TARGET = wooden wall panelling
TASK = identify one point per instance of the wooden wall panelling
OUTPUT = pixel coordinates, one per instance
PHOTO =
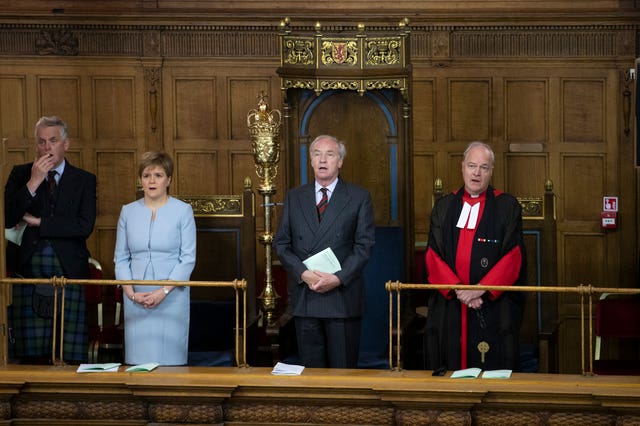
(526, 110)
(116, 137)
(196, 172)
(423, 113)
(61, 95)
(117, 174)
(526, 173)
(361, 123)
(13, 106)
(470, 109)
(424, 175)
(193, 105)
(454, 170)
(243, 92)
(114, 108)
(424, 162)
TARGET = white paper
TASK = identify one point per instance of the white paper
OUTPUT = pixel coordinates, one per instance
(324, 261)
(496, 374)
(98, 368)
(467, 373)
(15, 234)
(282, 369)
(142, 367)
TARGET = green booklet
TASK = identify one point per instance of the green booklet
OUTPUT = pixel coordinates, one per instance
(496, 374)
(98, 368)
(142, 367)
(467, 373)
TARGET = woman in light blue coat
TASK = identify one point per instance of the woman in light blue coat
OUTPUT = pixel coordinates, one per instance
(156, 240)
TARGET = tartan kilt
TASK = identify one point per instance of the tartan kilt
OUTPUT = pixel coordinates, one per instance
(31, 334)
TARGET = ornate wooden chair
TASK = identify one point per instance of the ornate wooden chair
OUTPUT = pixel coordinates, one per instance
(618, 319)
(104, 311)
(226, 241)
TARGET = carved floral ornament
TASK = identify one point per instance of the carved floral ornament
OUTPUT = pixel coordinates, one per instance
(56, 42)
(216, 205)
(357, 59)
(532, 207)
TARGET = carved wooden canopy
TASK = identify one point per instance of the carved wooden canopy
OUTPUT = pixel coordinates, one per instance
(338, 58)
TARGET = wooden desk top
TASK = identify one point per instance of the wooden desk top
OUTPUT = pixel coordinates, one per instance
(253, 394)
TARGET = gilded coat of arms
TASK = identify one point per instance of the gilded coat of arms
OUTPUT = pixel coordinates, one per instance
(339, 52)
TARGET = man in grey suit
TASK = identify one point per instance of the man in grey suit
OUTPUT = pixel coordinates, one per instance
(327, 307)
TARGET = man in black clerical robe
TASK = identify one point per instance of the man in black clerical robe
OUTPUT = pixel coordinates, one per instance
(475, 238)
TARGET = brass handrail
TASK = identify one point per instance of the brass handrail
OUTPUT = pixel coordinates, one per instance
(580, 289)
(62, 282)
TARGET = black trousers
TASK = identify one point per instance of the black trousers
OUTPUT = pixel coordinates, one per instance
(328, 342)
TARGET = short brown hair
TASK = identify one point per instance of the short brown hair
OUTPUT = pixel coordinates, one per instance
(156, 158)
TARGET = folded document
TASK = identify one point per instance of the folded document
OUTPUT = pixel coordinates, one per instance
(15, 234)
(324, 261)
(473, 373)
(467, 373)
(142, 367)
(282, 369)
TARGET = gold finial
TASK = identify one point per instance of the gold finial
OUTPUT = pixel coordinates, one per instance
(437, 186)
(360, 27)
(318, 26)
(284, 24)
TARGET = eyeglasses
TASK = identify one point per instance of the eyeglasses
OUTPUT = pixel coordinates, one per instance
(472, 167)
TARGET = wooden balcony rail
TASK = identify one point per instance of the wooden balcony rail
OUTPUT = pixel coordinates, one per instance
(239, 285)
(581, 289)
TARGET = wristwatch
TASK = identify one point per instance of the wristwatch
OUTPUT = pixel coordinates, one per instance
(166, 290)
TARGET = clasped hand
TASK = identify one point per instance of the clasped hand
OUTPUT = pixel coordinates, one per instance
(320, 282)
(149, 299)
(471, 298)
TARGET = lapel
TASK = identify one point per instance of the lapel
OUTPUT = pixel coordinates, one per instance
(308, 206)
(337, 203)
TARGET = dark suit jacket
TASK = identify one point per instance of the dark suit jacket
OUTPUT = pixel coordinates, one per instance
(67, 228)
(347, 227)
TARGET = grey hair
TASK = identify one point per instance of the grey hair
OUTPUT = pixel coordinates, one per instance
(478, 144)
(342, 149)
(52, 122)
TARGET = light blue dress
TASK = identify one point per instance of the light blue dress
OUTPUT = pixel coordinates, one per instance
(162, 249)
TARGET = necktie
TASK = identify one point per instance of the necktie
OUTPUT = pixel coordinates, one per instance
(322, 205)
(51, 180)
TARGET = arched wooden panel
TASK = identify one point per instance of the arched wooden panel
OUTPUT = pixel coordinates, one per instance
(365, 124)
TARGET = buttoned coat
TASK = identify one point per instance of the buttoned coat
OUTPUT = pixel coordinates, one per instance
(347, 228)
(66, 227)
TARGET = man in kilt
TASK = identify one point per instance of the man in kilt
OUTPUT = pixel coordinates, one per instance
(55, 202)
